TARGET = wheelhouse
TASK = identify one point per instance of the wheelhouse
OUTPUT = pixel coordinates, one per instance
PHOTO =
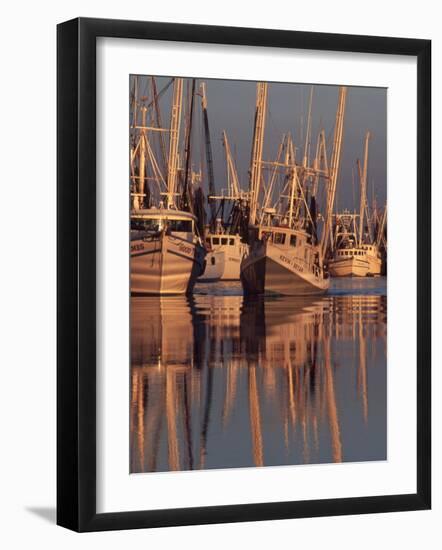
(156, 220)
(284, 237)
(213, 241)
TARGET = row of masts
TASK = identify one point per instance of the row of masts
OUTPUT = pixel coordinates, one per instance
(366, 226)
(299, 194)
(295, 205)
(173, 175)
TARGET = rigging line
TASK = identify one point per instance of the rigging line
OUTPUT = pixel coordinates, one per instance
(160, 93)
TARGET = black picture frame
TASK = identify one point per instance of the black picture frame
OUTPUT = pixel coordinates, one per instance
(76, 273)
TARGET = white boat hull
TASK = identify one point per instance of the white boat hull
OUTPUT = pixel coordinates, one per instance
(222, 265)
(269, 269)
(224, 260)
(232, 263)
(349, 267)
(164, 264)
(374, 265)
(214, 267)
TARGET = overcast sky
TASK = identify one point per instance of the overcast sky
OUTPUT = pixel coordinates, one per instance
(231, 106)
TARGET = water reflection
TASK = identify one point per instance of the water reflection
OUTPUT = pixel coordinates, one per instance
(218, 381)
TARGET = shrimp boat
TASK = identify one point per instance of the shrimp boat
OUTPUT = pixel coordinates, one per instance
(286, 255)
(166, 253)
(349, 263)
(348, 259)
(355, 251)
(166, 250)
(224, 257)
(283, 261)
(223, 240)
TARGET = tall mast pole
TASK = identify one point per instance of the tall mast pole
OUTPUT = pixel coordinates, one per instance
(334, 168)
(232, 176)
(258, 141)
(139, 198)
(188, 151)
(363, 181)
(175, 122)
(209, 157)
(381, 228)
(293, 183)
(308, 132)
(159, 123)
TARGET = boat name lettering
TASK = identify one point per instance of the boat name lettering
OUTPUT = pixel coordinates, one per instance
(293, 263)
(185, 249)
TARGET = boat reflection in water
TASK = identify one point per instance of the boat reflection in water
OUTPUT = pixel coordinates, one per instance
(224, 381)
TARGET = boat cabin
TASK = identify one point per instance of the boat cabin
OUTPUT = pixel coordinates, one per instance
(221, 240)
(349, 252)
(284, 236)
(372, 249)
(155, 220)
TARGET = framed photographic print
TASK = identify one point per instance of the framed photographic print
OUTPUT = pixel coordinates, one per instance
(243, 274)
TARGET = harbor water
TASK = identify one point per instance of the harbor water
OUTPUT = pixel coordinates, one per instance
(223, 381)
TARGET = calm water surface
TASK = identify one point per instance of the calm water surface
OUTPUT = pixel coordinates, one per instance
(220, 381)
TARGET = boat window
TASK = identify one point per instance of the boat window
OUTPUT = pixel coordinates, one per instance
(184, 226)
(145, 225)
(292, 240)
(223, 241)
(215, 240)
(279, 238)
(231, 242)
(212, 260)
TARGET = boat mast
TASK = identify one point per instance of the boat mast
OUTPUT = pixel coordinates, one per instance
(258, 141)
(175, 122)
(209, 157)
(159, 123)
(276, 165)
(139, 198)
(186, 199)
(293, 180)
(334, 169)
(380, 235)
(305, 161)
(232, 176)
(363, 180)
